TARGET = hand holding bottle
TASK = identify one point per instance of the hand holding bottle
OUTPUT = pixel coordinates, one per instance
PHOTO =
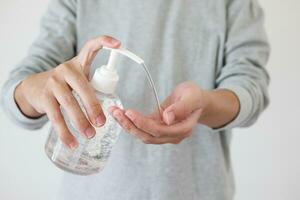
(45, 92)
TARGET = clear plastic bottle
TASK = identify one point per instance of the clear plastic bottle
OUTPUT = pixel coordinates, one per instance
(92, 154)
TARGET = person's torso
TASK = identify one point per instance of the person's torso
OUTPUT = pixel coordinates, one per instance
(179, 40)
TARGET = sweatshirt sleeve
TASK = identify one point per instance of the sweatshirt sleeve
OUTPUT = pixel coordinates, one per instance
(55, 44)
(246, 54)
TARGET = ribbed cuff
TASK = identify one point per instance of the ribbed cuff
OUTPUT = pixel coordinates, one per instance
(246, 106)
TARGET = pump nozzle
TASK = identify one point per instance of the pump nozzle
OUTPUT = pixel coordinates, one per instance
(124, 52)
(113, 59)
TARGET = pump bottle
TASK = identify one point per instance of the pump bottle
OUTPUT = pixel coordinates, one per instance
(91, 155)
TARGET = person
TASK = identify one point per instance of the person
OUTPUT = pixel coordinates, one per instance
(207, 59)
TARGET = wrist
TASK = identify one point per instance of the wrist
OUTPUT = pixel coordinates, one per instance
(222, 106)
(24, 106)
(206, 98)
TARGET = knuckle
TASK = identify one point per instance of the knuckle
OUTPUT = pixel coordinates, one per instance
(53, 80)
(138, 122)
(82, 122)
(102, 38)
(85, 86)
(81, 80)
(44, 96)
(62, 68)
(90, 44)
(68, 100)
(56, 118)
(94, 108)
(58, 68)
(90, 41)
(127, 126)
(121, 120)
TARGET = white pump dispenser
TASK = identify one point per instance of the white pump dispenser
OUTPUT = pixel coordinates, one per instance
(106, 78)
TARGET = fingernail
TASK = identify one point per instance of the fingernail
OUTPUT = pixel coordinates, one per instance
(90, 132)
(170, 117)
(113, 41)
(73, 145)
(117, 114)
(100, 121)
(130, 115)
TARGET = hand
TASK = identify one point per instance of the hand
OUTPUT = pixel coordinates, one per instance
(44, 93)
(181, 113)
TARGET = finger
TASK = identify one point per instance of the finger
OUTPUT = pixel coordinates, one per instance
(180, 109)
(83, 88)
(146, 124)
(186, 126)
(166, 106)
(128, 126)
(66, 99)
(125, 122)
(111, 109)
(54, 114)
(91, 48)
(161, 130)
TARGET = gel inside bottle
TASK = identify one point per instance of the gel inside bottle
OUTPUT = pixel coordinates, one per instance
(91, 155)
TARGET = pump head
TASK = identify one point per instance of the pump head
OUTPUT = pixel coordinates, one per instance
(106, 77)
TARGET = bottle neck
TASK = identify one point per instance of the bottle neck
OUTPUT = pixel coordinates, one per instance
(105, 80)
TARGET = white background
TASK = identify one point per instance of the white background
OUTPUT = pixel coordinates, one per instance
(265, 157)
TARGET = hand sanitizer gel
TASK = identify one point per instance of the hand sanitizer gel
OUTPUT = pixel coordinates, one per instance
(92, 154)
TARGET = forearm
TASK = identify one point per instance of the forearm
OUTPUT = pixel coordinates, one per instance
(222, 108)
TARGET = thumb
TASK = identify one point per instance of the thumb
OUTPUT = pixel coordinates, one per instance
(179, 110)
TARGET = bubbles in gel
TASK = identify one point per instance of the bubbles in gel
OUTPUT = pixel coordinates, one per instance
(92, 154)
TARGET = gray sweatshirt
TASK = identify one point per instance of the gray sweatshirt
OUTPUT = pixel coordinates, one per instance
(215, 43)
